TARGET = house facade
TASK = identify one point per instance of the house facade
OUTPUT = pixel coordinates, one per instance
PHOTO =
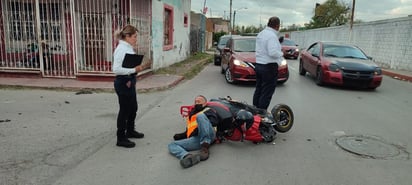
(75, 38)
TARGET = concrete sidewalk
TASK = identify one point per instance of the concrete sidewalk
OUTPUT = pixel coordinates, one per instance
(147, 83)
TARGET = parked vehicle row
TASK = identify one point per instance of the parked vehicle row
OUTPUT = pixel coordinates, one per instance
(330, 63)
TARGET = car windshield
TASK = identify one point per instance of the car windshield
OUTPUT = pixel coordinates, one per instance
(244, 45)
(287, 42)
(343, 52)
(223, 40)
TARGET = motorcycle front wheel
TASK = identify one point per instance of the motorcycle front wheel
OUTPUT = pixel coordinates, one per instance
(283, 117)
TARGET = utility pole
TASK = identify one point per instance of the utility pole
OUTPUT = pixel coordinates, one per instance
(204, 6)
(230, 18)
(351, 21)
(203, 28)
(352, 14)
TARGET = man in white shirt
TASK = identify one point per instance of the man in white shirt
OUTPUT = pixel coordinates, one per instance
(268, 57)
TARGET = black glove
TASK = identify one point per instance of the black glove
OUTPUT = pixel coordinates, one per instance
(179, 136)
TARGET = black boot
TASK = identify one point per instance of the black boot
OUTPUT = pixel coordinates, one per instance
(134, 134)
(124, 142)
(204, 152)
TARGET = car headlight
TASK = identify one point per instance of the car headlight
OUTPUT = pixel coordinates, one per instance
(334, 68)
(240, 63)
(378, 71)
(284, 62)
(297, 50)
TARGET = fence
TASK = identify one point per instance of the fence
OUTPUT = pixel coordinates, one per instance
(65, 38)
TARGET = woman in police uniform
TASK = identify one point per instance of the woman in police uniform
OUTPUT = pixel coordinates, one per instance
(125, 87)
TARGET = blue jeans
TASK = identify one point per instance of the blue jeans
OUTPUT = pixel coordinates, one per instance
(206, 134)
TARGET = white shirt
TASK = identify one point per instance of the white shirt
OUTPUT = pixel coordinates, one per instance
(268, 48)
(118, 57)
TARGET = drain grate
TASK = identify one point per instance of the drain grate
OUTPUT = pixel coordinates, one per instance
(370, 147)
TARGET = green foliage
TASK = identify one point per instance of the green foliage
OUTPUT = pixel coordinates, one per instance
(293, 27)
(248, 29)
(330, 13)
(216, 36)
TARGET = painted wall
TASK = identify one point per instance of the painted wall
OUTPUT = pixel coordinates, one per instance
(181, 43)
(389, 42)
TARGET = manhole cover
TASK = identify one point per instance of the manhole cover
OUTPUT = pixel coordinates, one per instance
(368, 147)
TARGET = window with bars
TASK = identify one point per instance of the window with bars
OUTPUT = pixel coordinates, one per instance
(21, 27)
(168, 27)
(21, 21)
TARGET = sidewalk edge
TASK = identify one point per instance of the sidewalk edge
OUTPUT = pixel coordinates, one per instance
(397, 75)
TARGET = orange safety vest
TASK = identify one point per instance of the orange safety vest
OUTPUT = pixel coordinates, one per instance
(191, 124)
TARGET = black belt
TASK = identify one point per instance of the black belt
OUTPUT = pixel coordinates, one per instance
(133, 75)
(267, 64)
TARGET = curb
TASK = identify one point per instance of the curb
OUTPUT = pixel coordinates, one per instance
(397, 75)
(162, 87)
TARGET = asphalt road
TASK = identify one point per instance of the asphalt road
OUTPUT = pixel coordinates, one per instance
(67, 139)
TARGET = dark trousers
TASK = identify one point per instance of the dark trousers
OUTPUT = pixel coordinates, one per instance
(266, 80)
(127, 103)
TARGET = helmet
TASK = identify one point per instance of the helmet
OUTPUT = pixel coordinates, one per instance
(244, 117)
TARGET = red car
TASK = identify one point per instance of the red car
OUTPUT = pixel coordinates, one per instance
(290, 49)
(238, 61)
(340, 64)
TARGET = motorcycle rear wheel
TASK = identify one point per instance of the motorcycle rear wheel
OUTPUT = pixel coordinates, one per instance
(283, 116)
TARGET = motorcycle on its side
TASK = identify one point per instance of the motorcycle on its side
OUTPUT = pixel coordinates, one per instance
(241, 121)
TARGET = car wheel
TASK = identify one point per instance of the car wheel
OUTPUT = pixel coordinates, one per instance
(217, 61)
(319, 76)
(281, 82)
(302, 70)
(221, 69)
(228, 76)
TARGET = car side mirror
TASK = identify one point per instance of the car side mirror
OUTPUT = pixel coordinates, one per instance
(226, 49)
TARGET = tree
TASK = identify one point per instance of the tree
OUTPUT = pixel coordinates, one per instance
(293, 27)
(330, 13)
(216, 36)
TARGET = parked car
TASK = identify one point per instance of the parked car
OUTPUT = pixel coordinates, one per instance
(238, 61)
(340, 64)
(219, 48)
(290, 49)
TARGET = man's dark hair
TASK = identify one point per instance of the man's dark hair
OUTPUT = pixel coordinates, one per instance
(273, 21)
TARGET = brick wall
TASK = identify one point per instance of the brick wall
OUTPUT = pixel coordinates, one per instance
(389, 42)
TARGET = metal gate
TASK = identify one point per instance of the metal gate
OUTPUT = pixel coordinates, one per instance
(63, 38)
(98, 20)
